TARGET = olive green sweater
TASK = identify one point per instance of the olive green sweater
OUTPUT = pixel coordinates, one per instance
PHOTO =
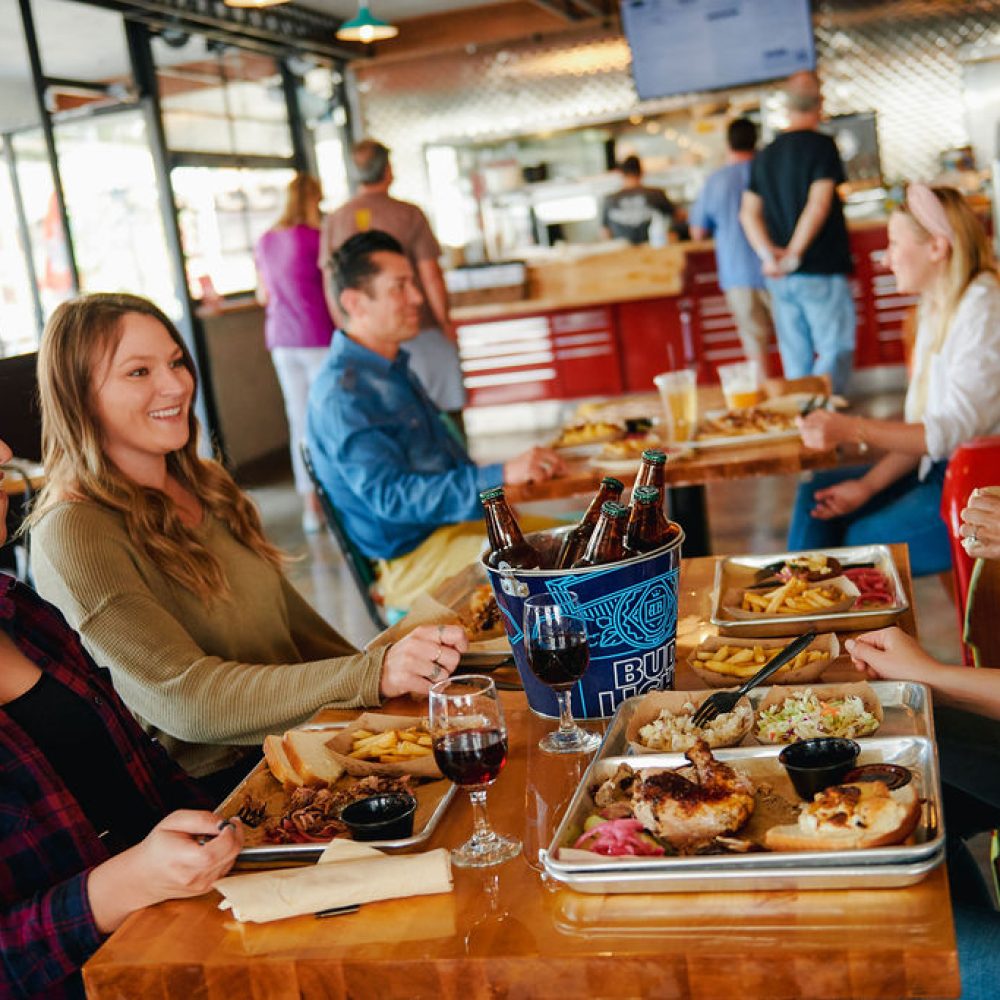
(203, 677)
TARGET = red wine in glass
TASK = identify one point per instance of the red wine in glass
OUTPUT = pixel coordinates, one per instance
(559, 661)
(471, 756)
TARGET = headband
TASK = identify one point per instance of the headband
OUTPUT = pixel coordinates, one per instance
(925, 206)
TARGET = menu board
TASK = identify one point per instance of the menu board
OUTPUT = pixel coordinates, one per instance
(680, 46)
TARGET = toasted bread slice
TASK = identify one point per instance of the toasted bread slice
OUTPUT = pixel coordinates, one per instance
(279, 764)
(850, 817)
(307, 753)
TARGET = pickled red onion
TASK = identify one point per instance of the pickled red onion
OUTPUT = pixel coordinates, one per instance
(617, 838)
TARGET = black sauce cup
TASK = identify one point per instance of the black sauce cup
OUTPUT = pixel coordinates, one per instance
(819, 763)
(381, 817)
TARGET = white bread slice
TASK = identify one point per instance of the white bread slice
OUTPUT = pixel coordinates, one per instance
(279, 764)
(889, 818)
(308, 754)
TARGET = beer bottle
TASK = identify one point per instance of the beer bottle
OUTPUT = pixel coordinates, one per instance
(652, 471)
(507, 543)
(648, 528)
(575, 543)
(607, 543)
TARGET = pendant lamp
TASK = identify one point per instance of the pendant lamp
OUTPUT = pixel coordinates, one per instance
(365, 27)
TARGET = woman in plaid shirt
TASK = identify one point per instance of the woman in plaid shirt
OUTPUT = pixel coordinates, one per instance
(85, 839)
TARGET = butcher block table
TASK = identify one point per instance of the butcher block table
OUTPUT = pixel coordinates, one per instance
(509, 932)
(687, 476)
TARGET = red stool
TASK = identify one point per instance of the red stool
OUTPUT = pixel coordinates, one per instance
(975, 463)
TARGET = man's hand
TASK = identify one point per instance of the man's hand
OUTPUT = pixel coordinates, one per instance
(534, 466)
(822, 429)
(840, 499)
(980, 528)
(425, 656)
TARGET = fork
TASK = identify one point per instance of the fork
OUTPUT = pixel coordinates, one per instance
(725, 701)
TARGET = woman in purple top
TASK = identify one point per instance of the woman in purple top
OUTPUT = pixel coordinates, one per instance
(297, 324)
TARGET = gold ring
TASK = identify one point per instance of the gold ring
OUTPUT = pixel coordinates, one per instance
(974, 536)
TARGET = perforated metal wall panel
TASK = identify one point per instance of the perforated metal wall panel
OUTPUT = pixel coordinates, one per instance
(897, 57)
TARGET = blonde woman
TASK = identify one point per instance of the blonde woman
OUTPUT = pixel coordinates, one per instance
(297, 323)
(937, 248)
(160, 562)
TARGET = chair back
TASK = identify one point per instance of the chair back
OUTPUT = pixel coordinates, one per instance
(20, 415)
(975, 463)
(361, 568)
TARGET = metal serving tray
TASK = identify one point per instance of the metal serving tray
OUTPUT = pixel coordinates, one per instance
(860, 876)
(905, 737)
(277, 854)
(738, 571)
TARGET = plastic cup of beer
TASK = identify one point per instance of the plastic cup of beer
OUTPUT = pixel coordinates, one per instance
(679, 396)
(742, 385)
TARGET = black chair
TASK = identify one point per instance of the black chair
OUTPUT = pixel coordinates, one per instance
(361, 567)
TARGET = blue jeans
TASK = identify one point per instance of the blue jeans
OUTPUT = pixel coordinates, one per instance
(907, 511)
(815, 320)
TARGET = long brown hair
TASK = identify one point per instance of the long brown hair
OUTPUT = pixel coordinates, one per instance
(301, 203)
(80, 334)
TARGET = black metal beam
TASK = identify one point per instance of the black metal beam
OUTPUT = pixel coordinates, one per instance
(23, 231)
(593, 7)
(144, 74)
(38, 79)
(561, 8)
(300, 143)
(282, 29)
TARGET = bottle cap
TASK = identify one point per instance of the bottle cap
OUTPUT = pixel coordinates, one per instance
(491, 494)
(611, 481)
(646, 494)
(612, 509)
(654, 457)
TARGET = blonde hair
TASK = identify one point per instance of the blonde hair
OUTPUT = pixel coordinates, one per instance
(301, 202)
(970, 256)
(79, 336)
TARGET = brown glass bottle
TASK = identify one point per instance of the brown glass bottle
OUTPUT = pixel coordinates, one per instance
(575, 543)
(607, 543)
(652, 471)
(507, 543)
(648, 528)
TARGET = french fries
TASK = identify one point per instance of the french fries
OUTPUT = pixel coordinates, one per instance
(795, 597)
(391, 746)
(745, 661)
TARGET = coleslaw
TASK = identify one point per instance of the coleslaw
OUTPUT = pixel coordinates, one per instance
(805, 716)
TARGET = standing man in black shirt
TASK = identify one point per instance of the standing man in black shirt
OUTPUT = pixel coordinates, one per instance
(794, 220)
(629, 213)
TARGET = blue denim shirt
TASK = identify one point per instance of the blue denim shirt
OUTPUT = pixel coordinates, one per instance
(391, 467)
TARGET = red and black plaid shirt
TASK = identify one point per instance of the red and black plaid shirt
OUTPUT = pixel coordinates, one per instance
(47, 845)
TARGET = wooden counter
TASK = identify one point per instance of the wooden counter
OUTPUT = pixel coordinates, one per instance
(509, 932)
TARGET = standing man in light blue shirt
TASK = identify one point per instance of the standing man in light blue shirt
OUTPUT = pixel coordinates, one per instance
(717, 213)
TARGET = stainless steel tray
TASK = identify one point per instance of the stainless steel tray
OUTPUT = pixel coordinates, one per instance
(738, 571)
(892, 876)
(277, 854)
(906, 737)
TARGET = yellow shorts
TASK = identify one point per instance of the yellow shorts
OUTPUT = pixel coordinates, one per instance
(441, 555)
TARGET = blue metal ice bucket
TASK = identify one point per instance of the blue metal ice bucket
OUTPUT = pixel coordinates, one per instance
(630, 608)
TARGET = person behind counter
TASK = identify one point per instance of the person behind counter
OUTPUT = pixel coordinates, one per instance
(85, 838)
(297, 323)
(406, 489)
(937, 248)
(630, 213)
(161, 563)
(967, 730)
(716, 214)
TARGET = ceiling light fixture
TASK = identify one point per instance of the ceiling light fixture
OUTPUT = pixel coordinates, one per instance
(365, 27)
(253, 3)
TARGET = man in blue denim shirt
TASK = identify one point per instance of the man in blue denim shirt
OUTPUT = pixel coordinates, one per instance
(406, 489)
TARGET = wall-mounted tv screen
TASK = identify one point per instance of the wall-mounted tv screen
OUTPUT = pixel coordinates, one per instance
(680, 46)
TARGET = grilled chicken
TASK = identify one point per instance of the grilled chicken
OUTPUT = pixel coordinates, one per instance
(691, 807)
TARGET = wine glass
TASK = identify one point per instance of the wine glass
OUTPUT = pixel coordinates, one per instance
(470, 747)
(555, 637)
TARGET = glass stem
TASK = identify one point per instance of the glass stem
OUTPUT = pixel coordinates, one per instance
(566, 720)
(482, 832)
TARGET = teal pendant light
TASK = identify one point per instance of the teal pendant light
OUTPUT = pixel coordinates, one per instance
(365, 27)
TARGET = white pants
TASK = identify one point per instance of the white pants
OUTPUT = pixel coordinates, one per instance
(296, 367)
